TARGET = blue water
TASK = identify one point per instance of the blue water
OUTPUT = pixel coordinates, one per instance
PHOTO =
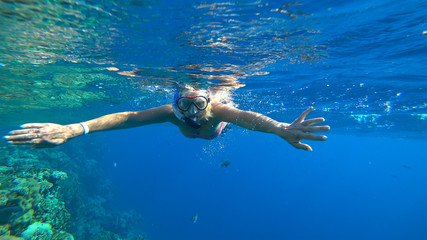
(352, 187)
(361, 64)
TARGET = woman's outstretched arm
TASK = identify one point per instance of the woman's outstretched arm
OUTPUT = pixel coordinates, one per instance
(131, 119)
(293, 133)
(42, 135)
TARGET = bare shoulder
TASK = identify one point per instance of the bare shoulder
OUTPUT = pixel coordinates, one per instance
(159, 114)
(167, 108)
(218, 108)
(224, 111)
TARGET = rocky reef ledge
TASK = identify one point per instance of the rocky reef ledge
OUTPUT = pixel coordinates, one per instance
(45, 195)
(29, 205)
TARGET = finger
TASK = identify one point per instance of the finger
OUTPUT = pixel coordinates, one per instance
(34, 125)
(315, 129)
(24, 131)
(304, 114)
(28, 142)
(22, 137)
(313, 137)
(302, 146)
(312, 121)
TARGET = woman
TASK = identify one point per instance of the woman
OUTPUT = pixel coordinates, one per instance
(193, 112)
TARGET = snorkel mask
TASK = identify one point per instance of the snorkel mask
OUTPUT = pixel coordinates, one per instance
(199, 102)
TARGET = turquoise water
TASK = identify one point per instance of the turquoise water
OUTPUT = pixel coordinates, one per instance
(361, 64)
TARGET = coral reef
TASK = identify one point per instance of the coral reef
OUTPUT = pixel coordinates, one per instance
(29, 205)
(58, 195)
(39, 230)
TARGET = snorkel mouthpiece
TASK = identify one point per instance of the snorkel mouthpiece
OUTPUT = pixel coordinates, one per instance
(192, 123)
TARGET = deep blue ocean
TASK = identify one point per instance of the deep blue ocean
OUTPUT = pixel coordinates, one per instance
(362, 65)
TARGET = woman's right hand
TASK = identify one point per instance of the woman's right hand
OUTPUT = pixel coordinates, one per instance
(43, 135)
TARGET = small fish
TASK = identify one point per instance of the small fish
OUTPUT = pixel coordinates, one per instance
(195, 218)
(115, 164)
(406, 166)
(225, 163)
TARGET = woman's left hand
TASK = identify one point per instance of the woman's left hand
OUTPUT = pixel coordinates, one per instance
(301, 129)
(42, 135)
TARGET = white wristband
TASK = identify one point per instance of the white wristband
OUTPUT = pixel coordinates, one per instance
(85, 128)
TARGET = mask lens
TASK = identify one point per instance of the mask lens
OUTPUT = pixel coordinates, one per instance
(201, 103)
(184, 103)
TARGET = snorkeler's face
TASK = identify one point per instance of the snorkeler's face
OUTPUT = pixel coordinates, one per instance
(192, 104)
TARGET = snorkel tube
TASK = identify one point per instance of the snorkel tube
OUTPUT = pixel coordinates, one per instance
(180, 116)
